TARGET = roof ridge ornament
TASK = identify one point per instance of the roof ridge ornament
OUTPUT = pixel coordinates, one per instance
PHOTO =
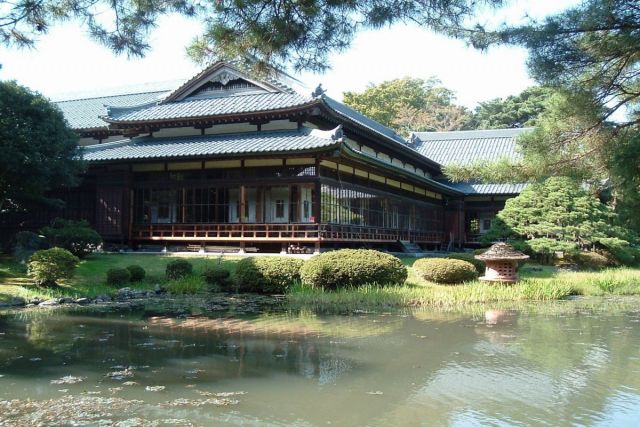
(318, 92)
(338, 133)
(413, 140)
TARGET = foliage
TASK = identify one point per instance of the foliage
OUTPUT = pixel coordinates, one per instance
(137, 272)
(217, 276)
(178, 268)
(588, 54)
(591, 261)
(190, 284)
(303, 34)
(469, 257)
(514, 111)
(118, 276)
(557, 215)
(75, 236)
(48, 266)
(37, 148)
(352, 267)
(27, 243)
(442, 270)
(272, 275)
(124, 29)
(410, 104)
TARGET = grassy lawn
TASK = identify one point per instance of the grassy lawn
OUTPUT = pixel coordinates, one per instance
(89, 278)
(539, 283)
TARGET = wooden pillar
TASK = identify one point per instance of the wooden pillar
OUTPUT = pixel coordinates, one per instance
(243, 201)
(317, 208)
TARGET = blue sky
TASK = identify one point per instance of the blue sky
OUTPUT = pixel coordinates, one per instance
(67, 64)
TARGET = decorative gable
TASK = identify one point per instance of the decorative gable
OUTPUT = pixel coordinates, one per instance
(219, 80)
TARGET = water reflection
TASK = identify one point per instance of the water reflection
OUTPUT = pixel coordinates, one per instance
(565, 364)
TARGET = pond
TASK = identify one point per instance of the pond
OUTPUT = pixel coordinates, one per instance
(559, 363)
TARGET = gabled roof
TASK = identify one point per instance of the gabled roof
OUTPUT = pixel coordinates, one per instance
(467, 147)
(190, 146)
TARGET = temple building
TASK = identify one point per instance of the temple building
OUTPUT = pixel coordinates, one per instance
(229, 159)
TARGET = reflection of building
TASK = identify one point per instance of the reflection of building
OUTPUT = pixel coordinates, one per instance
(232, 158)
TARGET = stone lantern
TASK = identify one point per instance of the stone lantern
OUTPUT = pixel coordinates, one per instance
(502, 263)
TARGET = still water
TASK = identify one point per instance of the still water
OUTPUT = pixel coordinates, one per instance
(567, 363)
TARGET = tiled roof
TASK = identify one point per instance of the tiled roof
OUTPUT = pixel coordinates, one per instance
(351, 114)
(208, 107)
(466, 147)
(255, 142)
(470, 188)
(85, 113)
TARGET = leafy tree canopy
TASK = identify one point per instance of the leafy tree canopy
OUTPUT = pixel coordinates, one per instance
(514, 111)
(589, 55)
(37, 148)
(410, 104)
(558, 214)
(301, 33)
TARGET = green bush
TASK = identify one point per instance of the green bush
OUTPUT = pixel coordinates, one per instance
(178, 269)
(217, 276)
(191, 284)
(48, 266)
(352, 267)
(75, 236)
(118, 276)
(136, 272)
(591, 261)
(27, 243)
(442, 270)
(273, 275)
(478, 264)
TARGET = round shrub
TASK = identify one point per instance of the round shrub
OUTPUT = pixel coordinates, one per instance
(179, 268)
(591, 261)
(136, 272)
(75, 236)
(352, 267)
(217, 276)
(442, 270)
(118, 276)
(49, 265)
(478, 264)
(271, 275)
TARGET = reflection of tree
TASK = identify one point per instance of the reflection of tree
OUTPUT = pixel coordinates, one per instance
(44, 334)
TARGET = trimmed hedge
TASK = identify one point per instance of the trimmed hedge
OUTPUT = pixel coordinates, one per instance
(352, 267)
(49, 265)
(178, 269)
(137, 273)
(273, 275)
(118, 276)
(478, 264)
(442, 270)
(591, 261)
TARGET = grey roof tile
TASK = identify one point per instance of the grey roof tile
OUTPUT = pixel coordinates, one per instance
(85, 113)
(466, 147)
(189, 146)
(471, 188)
(234, 104)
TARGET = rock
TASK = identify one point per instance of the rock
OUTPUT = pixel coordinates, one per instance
(50, 302)
(82, 301)
(65, 300)
(35, 301)
(159, 289)
(103, 298)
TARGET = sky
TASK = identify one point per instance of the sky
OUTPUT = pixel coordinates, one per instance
(66, 64)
